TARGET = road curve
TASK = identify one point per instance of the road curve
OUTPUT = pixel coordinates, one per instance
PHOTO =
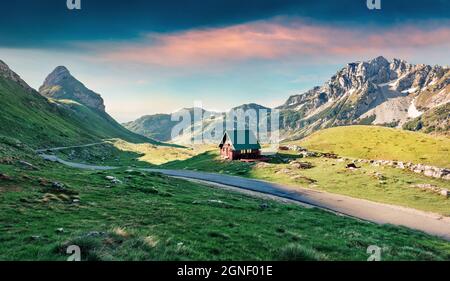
(380, 213)
(69, 147)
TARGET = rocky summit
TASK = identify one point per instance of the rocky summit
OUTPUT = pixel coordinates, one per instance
(60, 84)
(378, 92)
(7, 73)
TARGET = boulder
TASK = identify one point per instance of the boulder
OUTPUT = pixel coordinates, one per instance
(352, 166)
(5, 177)
(301, 165)
(58, 186)
(264, 206)
(284, 171)
(27, 165)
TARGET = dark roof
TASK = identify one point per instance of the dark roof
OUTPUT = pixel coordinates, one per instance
(241, 139)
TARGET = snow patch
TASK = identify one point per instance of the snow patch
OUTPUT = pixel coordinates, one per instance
(413, 112)
(409, 91)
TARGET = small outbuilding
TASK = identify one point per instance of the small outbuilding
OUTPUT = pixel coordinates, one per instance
(239, 144)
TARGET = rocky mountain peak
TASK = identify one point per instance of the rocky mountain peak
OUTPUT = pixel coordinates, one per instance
(377, 91)
(7, 73)
(60, 84)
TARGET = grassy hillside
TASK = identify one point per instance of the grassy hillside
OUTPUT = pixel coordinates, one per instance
(33, 119)
(153, 217)
(436, 120)
(99, 123)
(158, 126)
(116, 152)
(371, 142)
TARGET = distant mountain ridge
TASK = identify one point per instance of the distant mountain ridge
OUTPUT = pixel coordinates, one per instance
(159, 126)
(375, 92)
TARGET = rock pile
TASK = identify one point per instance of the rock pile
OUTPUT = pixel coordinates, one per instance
(433, 188)
(426, 170)
(113, 180)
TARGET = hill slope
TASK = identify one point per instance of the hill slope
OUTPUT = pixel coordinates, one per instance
(371, 142)
(28, 116)
(436, 120)
(159, 126)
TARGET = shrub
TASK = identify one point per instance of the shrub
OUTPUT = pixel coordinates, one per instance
(297, 252)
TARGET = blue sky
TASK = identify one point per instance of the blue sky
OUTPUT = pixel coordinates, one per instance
(148, 57)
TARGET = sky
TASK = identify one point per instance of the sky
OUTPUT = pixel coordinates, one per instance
(147, 57)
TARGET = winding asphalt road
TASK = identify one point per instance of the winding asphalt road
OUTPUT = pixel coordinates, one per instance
(380, 213)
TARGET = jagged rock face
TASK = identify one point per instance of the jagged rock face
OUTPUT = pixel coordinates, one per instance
(60, 84)
(378, 92)
(7, 73)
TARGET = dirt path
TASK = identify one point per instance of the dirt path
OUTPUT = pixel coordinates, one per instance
(69, 147)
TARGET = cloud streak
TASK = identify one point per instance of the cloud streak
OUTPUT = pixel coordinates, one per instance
(271, 40)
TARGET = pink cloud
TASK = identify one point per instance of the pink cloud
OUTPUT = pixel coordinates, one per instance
(271, 41)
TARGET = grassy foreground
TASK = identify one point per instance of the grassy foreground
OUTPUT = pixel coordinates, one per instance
(153, 217)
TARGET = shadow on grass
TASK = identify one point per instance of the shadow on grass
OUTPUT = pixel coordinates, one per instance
(104, 154)
(210, 161)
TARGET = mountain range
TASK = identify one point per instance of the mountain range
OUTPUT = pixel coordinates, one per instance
(375, 92)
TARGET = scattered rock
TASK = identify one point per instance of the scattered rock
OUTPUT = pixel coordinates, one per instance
(433, 188)
(213, 202)
(216, 201)
(43, 182)
(352, 166)
(301, 165)
(116, 181)
(264, 206)
(262, 165)
(113, 180)
(58, 186)
(330, 155)
(27, 165)
(284, 171)
(294, 147)
(76, 201)
(311, 154)
(60, 230)
(5, 177)
(95, 234)
(379, 176)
